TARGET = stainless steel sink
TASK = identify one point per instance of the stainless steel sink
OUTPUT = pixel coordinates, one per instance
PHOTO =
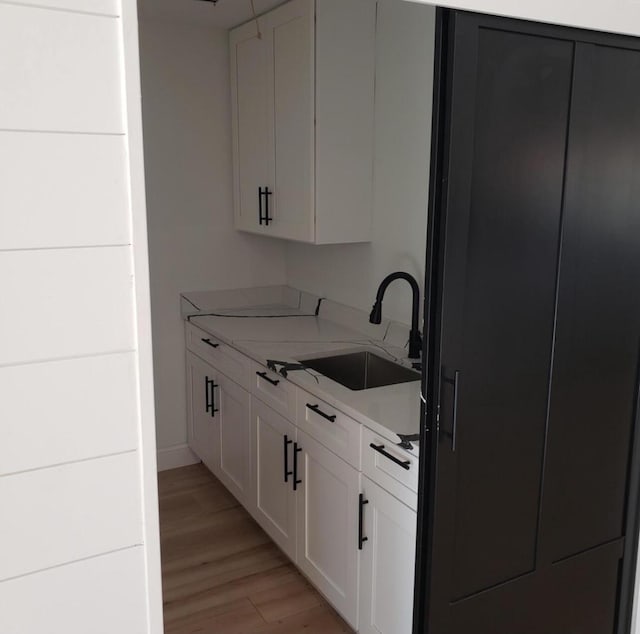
(361, 370)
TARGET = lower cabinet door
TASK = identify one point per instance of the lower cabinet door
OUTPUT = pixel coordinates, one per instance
(327, 511)
(387, 563)
(272, 447)
(234, 404)
(203, 421)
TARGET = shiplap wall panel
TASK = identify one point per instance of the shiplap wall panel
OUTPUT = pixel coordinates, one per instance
(66, 76)
(99, 7)
(104, 595)
(70, 512)
(65, 303)
(61, 190)
(68, 410)
(76, 425)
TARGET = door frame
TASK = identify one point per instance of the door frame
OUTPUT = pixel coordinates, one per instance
(629, 584)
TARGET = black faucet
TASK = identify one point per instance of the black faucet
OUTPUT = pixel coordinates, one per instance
(415, 339)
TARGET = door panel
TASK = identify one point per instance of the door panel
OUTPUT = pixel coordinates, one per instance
(291, 30)
(503, 231)
(251, 122)
(537, 331)
(203, 421)
(577, 596)
(328, 525)
(273, 463)
(598, 325)
(235, 439)
(387, 563)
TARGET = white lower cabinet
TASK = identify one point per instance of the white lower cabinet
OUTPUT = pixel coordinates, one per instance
(203, 422)
(387, 563)
(327, 510)
(273, 438)
(234, 410)
(353, 539)
(219, 426)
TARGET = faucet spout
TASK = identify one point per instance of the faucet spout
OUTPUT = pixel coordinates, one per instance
(415, 339)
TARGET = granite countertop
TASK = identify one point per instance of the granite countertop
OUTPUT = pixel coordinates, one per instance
(290, 331)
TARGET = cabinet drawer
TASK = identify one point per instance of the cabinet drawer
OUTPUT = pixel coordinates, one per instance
(335, 430)
(401, 481)
(230, 362)
(274, 390)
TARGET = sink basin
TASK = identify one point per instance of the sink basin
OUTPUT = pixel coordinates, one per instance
(361, 370)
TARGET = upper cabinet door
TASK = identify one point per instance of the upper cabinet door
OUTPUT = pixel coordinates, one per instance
(252, 127)
(303, 112)
(290, 31)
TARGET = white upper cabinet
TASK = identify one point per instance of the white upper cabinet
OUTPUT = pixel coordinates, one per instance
(251, 131)
(303, 121)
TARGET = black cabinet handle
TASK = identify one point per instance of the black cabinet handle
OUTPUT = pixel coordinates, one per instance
(210, 396)
(454, 418)
(210, 343)
(267, 217)
(317, 410)
(361, 538)
(263, 213)
(405, 464)
(265, 376)
(296, 451)
(286, 444)
(207, 393)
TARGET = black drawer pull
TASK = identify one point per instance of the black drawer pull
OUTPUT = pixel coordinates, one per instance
(361, 538)
(296, 451)
(317, 410)
(405, 464)
(210, 343)
(265, 376)
(210, 396)
(286, 444)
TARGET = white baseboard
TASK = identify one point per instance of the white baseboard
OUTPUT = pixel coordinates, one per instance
(174, 457)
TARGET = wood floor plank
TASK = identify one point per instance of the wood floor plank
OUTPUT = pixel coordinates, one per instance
(318, 620)
(221, 572)
(220, 535)
(184, 479)
(219, 594)
(193, 579)
(235, 617)
(285, 600)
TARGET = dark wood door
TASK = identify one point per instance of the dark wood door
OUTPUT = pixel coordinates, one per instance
(537, 313)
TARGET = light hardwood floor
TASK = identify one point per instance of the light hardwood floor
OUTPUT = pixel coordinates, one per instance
(221, 573)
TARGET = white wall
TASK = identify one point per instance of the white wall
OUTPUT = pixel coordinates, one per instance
(79, 545)
(351, 273)
(192, 243)
(616, 16)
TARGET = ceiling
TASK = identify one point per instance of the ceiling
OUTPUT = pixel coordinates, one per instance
(225, 14)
